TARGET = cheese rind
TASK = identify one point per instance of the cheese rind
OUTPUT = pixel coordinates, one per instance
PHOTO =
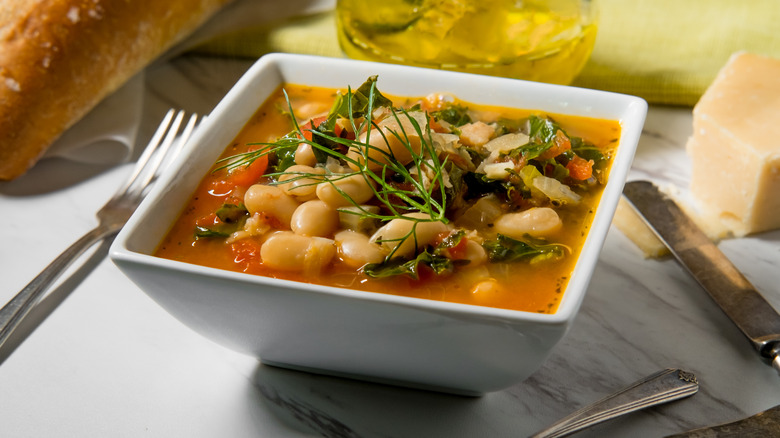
(735, 154)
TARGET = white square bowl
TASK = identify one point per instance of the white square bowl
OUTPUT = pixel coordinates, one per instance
(414, 342)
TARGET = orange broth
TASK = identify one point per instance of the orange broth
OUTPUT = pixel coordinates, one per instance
(527, 287)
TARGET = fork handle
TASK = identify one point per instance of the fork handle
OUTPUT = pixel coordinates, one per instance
(12, 314)
(661, 387)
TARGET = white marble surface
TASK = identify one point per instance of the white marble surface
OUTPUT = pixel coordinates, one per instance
(109, 362)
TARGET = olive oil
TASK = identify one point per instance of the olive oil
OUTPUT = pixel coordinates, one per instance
(540, 40)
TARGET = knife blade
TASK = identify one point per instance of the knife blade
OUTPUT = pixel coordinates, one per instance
(738, 299)
(761, 425)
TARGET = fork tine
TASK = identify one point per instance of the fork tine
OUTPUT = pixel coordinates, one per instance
(185, 135)
(167, 152)
(179, 146)
(150, 169)
(147, 153)
(158, 155)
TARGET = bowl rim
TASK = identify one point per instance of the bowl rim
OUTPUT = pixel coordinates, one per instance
(634, 110)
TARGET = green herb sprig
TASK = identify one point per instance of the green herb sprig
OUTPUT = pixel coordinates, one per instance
(398, 199)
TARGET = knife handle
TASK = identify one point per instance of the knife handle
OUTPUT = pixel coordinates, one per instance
(761, 425)
(661, 387)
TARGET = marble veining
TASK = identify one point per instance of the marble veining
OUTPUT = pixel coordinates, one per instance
(110, 362)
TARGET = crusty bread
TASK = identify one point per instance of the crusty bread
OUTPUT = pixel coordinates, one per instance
(60, 58)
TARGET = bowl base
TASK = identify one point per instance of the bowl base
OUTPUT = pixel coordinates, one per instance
(379, 380)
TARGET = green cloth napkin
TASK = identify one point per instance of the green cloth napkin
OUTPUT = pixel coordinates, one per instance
(669, 51)
(666, 51)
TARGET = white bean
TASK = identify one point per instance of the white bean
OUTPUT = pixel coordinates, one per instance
(484, 291)
(300, 186)
(319, 254)
(356, 187)
(475, 254)
(304, 155)
(536, 221)
(398, 234)
(354, 218)
(271, 201)
(315, 218)
(355, 249)
(309, 110)
(393, 140)
(288, 251)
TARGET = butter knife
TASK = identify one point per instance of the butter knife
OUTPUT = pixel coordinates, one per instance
(761, 425)
(739, 299)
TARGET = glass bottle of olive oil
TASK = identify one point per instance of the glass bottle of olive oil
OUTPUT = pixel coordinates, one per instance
(540, 40)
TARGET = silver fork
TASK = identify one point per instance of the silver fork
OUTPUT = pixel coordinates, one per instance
(111, 217)
(660, 387)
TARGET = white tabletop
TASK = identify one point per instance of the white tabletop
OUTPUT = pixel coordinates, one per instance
(110, 362)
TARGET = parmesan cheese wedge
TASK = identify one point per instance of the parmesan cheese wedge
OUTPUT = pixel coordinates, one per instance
(735, 146)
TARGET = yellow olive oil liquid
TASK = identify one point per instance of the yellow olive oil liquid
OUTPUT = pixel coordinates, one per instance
(542, 40)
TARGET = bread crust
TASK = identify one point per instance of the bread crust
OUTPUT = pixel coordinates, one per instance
(60, 58)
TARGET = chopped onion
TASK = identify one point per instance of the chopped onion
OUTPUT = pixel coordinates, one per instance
(444, 141)
(482, 213)
(499, 170)
(506, 142)
(555, 190)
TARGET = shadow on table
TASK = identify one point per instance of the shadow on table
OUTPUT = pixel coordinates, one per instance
(50, 175)
(338, 407)
(49, 303)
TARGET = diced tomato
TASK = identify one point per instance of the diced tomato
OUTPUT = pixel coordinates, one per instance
(580, 168)
(561, 144)
(313, 124)
(338, 129)
(236, 197)
(457, 252)
(425, 273)
(207, 221)
(246, 253)
(434, 125)
(440, 238)
(245, 176)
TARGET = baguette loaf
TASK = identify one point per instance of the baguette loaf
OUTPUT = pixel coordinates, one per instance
(60, 58)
